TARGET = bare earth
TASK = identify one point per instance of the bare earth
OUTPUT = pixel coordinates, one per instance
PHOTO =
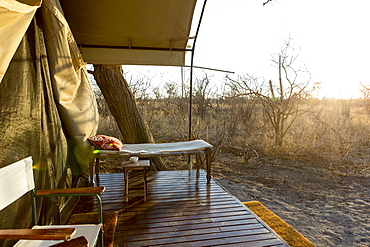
(328, 203)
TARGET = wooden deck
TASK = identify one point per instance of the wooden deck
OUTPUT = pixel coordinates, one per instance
(181, 210)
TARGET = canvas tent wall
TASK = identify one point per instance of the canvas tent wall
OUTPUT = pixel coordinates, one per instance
(71, 87)
(47, 107)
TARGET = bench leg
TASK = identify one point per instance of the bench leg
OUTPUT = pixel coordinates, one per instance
(97, 166)
(208, 163)
(198, 160)
(125, 172)
(91, 165)
(145, 185)
(94, 169)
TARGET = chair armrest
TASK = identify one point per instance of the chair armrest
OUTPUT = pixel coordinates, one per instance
(38, 234)
(71, 191)
(76, 242)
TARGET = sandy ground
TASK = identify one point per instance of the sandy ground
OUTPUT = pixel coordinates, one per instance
(328, 203)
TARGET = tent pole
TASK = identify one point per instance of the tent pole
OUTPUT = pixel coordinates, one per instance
(191, 94)
(191, 71)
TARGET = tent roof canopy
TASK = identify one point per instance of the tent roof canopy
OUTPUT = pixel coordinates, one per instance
(140, 32)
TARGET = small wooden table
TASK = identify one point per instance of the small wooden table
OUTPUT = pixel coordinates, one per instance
(140, 165)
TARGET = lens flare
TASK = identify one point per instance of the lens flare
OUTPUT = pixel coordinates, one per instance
(37, 166)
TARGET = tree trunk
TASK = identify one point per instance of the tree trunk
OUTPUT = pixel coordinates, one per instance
(122, 105)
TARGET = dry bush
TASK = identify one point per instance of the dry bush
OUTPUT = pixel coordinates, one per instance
(327, 132)
(334, 129)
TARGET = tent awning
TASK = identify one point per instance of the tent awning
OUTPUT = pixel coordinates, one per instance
(139, 32)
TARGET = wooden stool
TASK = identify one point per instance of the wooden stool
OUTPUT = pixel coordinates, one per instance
(140, 165)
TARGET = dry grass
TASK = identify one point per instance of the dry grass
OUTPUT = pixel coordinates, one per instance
(335, 130)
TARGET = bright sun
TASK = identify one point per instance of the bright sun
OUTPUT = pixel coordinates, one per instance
(339, 91)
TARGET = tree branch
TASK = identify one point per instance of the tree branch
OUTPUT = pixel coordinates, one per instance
(266, 2)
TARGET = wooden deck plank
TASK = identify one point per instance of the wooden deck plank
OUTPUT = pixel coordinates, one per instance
(191, 231)
(172, 213)
(238, 242)
(180, 210)
(186, 227)
(179, 216)
(142, 224)
(180, 239)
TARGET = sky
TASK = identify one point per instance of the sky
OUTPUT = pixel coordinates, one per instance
(331, 37)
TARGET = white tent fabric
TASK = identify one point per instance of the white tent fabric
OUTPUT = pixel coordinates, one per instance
(15, 18)
(136, 32)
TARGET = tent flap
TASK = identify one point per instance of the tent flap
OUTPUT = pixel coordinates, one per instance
(72, 88)
(15, 17)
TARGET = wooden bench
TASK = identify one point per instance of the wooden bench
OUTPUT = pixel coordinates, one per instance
(16, 180)
(152, 150)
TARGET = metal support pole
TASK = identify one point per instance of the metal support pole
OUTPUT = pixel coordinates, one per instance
(191, 71)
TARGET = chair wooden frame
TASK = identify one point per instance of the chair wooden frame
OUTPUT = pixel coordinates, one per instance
(22, 174)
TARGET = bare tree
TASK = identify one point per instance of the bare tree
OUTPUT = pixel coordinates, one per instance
(280, 100)
(202, 96)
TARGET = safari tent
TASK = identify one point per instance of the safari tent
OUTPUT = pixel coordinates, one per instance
(47, 106)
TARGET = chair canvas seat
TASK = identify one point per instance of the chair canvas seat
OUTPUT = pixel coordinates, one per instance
(89, 231)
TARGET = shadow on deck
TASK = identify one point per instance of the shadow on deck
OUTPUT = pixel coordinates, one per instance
(181, 210)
